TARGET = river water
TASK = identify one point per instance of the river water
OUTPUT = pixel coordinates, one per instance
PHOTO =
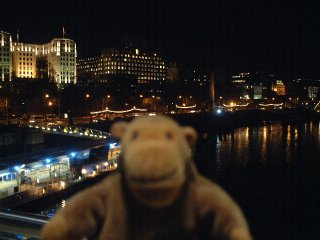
(272, 171)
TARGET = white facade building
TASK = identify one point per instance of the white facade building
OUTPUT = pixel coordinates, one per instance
(61, 56)
(5, 56)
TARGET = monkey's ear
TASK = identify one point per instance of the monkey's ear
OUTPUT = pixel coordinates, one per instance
(190, 134)
(118, 129)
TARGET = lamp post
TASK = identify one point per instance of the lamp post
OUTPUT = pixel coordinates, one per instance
(50, 106)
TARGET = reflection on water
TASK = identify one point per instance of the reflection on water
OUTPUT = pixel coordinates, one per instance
(272, 171)
(51, 211)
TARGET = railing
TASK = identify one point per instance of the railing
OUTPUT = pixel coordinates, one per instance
(15, 224)
(73, 131)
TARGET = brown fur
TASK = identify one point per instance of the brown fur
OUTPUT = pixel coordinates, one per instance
(157, 194)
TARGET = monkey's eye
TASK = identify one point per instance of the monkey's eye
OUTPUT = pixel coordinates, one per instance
(169, 135)
(134, 135)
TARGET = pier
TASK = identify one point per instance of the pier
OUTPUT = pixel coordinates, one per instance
(32, 176)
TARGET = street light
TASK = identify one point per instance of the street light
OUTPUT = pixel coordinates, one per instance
(87, 95)
(50, 103)
(47, 95)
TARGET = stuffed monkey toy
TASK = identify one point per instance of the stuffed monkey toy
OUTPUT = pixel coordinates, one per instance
(156, 193)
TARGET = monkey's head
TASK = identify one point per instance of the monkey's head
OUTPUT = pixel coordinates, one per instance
(155, 158)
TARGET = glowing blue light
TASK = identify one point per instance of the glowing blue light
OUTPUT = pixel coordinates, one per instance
(112, 145)
(73, 154)
(16, 168)
(219, 111)
(48, 160)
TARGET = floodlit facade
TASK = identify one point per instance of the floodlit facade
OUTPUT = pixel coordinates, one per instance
(145, 69)
(61, 56)
(62, 60)
(24, 60)
(5, 56)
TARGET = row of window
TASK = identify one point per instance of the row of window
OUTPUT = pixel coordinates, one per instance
(144, 69)
(25, 54)
(24, 63)
(24, 59)
(67, 73)
(25, 73)
(68, 59)
(133, 67)
(128, 72)
(25, 68)
(132, 64)
(66, 64)
(5, 49)
(8, 177)
(4, 54)
(136, 56)
(119, 62)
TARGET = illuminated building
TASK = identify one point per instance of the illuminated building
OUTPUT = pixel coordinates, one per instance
(135, 69)
(24, 60)
(279, 88)
(173, 72)
(60, 54)
(5, 56)
(190, 81)
(255, 85)
(304, 88)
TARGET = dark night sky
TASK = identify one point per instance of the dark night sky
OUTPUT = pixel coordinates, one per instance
(279, 36)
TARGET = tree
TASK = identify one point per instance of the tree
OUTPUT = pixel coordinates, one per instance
(42, 67)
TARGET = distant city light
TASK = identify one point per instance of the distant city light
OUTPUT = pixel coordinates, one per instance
(63, 184)
(271, 104)
(232, 104)
(186, 107)
(124, 111)
(112, 145)
(73, 154)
